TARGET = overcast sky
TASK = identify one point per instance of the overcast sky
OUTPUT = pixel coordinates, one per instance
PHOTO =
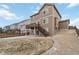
(13, 13)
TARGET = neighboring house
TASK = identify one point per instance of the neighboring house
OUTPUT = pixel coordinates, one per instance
(11, 27)
(22, 25)
(44, 23)
(14, 26)
(64, 24)
(6, 28)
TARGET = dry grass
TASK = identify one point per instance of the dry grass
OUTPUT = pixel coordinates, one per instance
(26, 46)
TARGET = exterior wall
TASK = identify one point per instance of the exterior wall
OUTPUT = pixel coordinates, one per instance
(56, 18)
(64, 25)
(12, 27)
(41, 18)
(51, 25)
(53, 21)
(49, 17)
(6, 28)
(22, 26)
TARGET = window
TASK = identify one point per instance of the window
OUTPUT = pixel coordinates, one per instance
(44, 21)
(56, 23)
(37, 32)
(44, 12)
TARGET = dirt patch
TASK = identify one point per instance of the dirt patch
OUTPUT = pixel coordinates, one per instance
(26, 46)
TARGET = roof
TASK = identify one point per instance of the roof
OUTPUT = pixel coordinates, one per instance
(11, 24)
(17, 23)
(64, 21)
(23, 21)
(48, 5)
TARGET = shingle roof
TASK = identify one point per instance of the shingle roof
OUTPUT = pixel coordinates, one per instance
(65, 20)
(17, 23)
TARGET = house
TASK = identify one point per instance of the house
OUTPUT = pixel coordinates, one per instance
(49, 20)
(44, 23)
(22, 25)
(64, 24)
(11, 27)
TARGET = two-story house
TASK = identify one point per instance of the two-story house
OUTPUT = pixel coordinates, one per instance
(44, 23)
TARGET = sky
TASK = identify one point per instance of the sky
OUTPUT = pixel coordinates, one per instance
(15, 12)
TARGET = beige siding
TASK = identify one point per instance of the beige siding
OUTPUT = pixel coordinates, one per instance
(22, 25)
(12, 27)
(49, 17)
(64, 25)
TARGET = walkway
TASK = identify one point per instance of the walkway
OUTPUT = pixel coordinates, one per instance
(65, 42)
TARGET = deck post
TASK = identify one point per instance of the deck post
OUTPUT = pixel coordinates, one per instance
(34, 31)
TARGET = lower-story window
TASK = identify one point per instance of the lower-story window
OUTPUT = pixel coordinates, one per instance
(37, 32)
(44, 21)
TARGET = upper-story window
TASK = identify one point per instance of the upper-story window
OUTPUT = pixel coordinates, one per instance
(45, 21)
(44, 12)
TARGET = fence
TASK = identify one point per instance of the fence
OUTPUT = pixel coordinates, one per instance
(4, 35)
(74, 27)
(77, 31)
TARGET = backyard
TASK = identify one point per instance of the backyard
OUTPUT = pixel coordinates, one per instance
(24, 46)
